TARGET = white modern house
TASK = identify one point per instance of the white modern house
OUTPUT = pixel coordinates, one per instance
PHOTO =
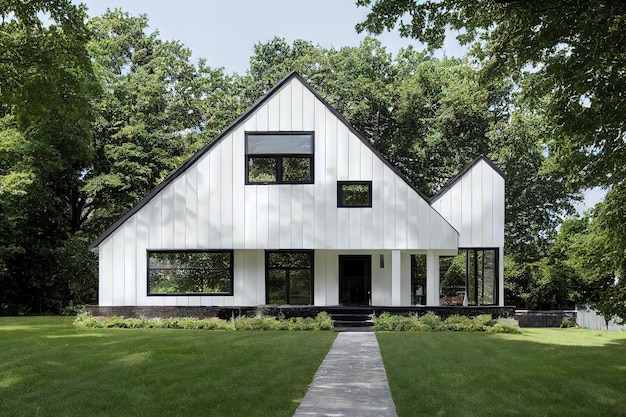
(291, 205)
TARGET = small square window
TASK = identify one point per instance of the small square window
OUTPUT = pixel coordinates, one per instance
(354, 194)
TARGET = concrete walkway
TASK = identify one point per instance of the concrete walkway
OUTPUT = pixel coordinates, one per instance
(350, 382)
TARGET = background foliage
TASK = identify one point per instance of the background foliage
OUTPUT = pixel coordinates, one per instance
(96, 112)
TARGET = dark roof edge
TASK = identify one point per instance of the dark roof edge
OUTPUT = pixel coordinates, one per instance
(458, 177)
(178, 171)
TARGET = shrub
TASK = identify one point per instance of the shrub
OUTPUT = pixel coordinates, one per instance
(386, 322)
(431, 322)
(481, 322)
(458, 323)
(565, 324)
(503, 325)
(322, 321)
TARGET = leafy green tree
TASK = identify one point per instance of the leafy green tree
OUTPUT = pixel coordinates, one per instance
(44, 147)
(569, 60)
(600, 256)
(148, 107)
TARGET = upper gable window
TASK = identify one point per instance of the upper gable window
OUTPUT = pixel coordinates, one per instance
(354, 194)
(279, 158)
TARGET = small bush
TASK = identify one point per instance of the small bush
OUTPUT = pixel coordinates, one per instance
(322, 321)
(458, 323)
(431, 322)
(503, 325)
(566, 324)
(482, 322)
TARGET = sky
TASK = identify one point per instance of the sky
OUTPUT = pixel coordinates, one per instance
(225, 32)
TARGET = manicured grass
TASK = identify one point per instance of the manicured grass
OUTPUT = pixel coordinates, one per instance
(48, 367)
(543, 372)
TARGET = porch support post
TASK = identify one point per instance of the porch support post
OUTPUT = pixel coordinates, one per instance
(432, 278)
(396, 278)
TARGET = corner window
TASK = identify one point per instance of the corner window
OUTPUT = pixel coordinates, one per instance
(472, 271)
(354, 194)
(279, 158)
(289, 277)
(190, 273)
(418, 280)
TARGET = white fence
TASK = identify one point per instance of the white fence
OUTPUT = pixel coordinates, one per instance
(589, 318)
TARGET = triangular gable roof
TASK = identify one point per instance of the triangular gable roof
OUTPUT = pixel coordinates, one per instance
(192, 160)
(460, 175)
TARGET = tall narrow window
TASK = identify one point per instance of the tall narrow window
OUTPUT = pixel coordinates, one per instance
(289, 277)
(354, 194)
(279, 158)
(418, 280)
(473, 271)
(190, 273)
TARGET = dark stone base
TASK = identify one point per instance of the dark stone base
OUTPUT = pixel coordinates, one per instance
(291, 311)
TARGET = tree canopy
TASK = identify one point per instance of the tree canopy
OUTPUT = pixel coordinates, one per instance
(568, 59)
(96, 112)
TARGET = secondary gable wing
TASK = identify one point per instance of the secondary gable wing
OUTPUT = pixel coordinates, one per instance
(473, 203)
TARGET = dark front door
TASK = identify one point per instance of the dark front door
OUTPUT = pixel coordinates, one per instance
(355, 279)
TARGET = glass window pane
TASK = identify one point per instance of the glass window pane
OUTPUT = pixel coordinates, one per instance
(287, 144)
(473, 287)
(262, 170)
(290, 260)
(355, 195)
(296, 169)
(277, 286)
(289, 277)
(418, 279)
(489, 277)
(452, 279)
(189, 272)
(300, 287)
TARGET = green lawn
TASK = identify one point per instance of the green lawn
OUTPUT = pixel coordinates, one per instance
(48, 367)
(544, 372)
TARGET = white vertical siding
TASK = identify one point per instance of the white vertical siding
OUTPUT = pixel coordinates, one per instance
(474, 205)
(105, 272)
(209, 206)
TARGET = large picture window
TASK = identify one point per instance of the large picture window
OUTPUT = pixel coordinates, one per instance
(279, 158)
(190, 273)
(472, 271)
(289, 277)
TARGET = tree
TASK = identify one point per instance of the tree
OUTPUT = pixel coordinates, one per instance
(567, 56)
(431, 118)
(147, 114)
(571, 51)
(44, 146)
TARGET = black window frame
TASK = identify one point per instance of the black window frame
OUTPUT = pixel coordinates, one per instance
(472, 272)
(279, 159)
(311, 254)
(340, 192)
(231, 270)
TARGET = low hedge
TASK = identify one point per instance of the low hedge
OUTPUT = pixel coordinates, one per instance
(322, 321)
(430, 322)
